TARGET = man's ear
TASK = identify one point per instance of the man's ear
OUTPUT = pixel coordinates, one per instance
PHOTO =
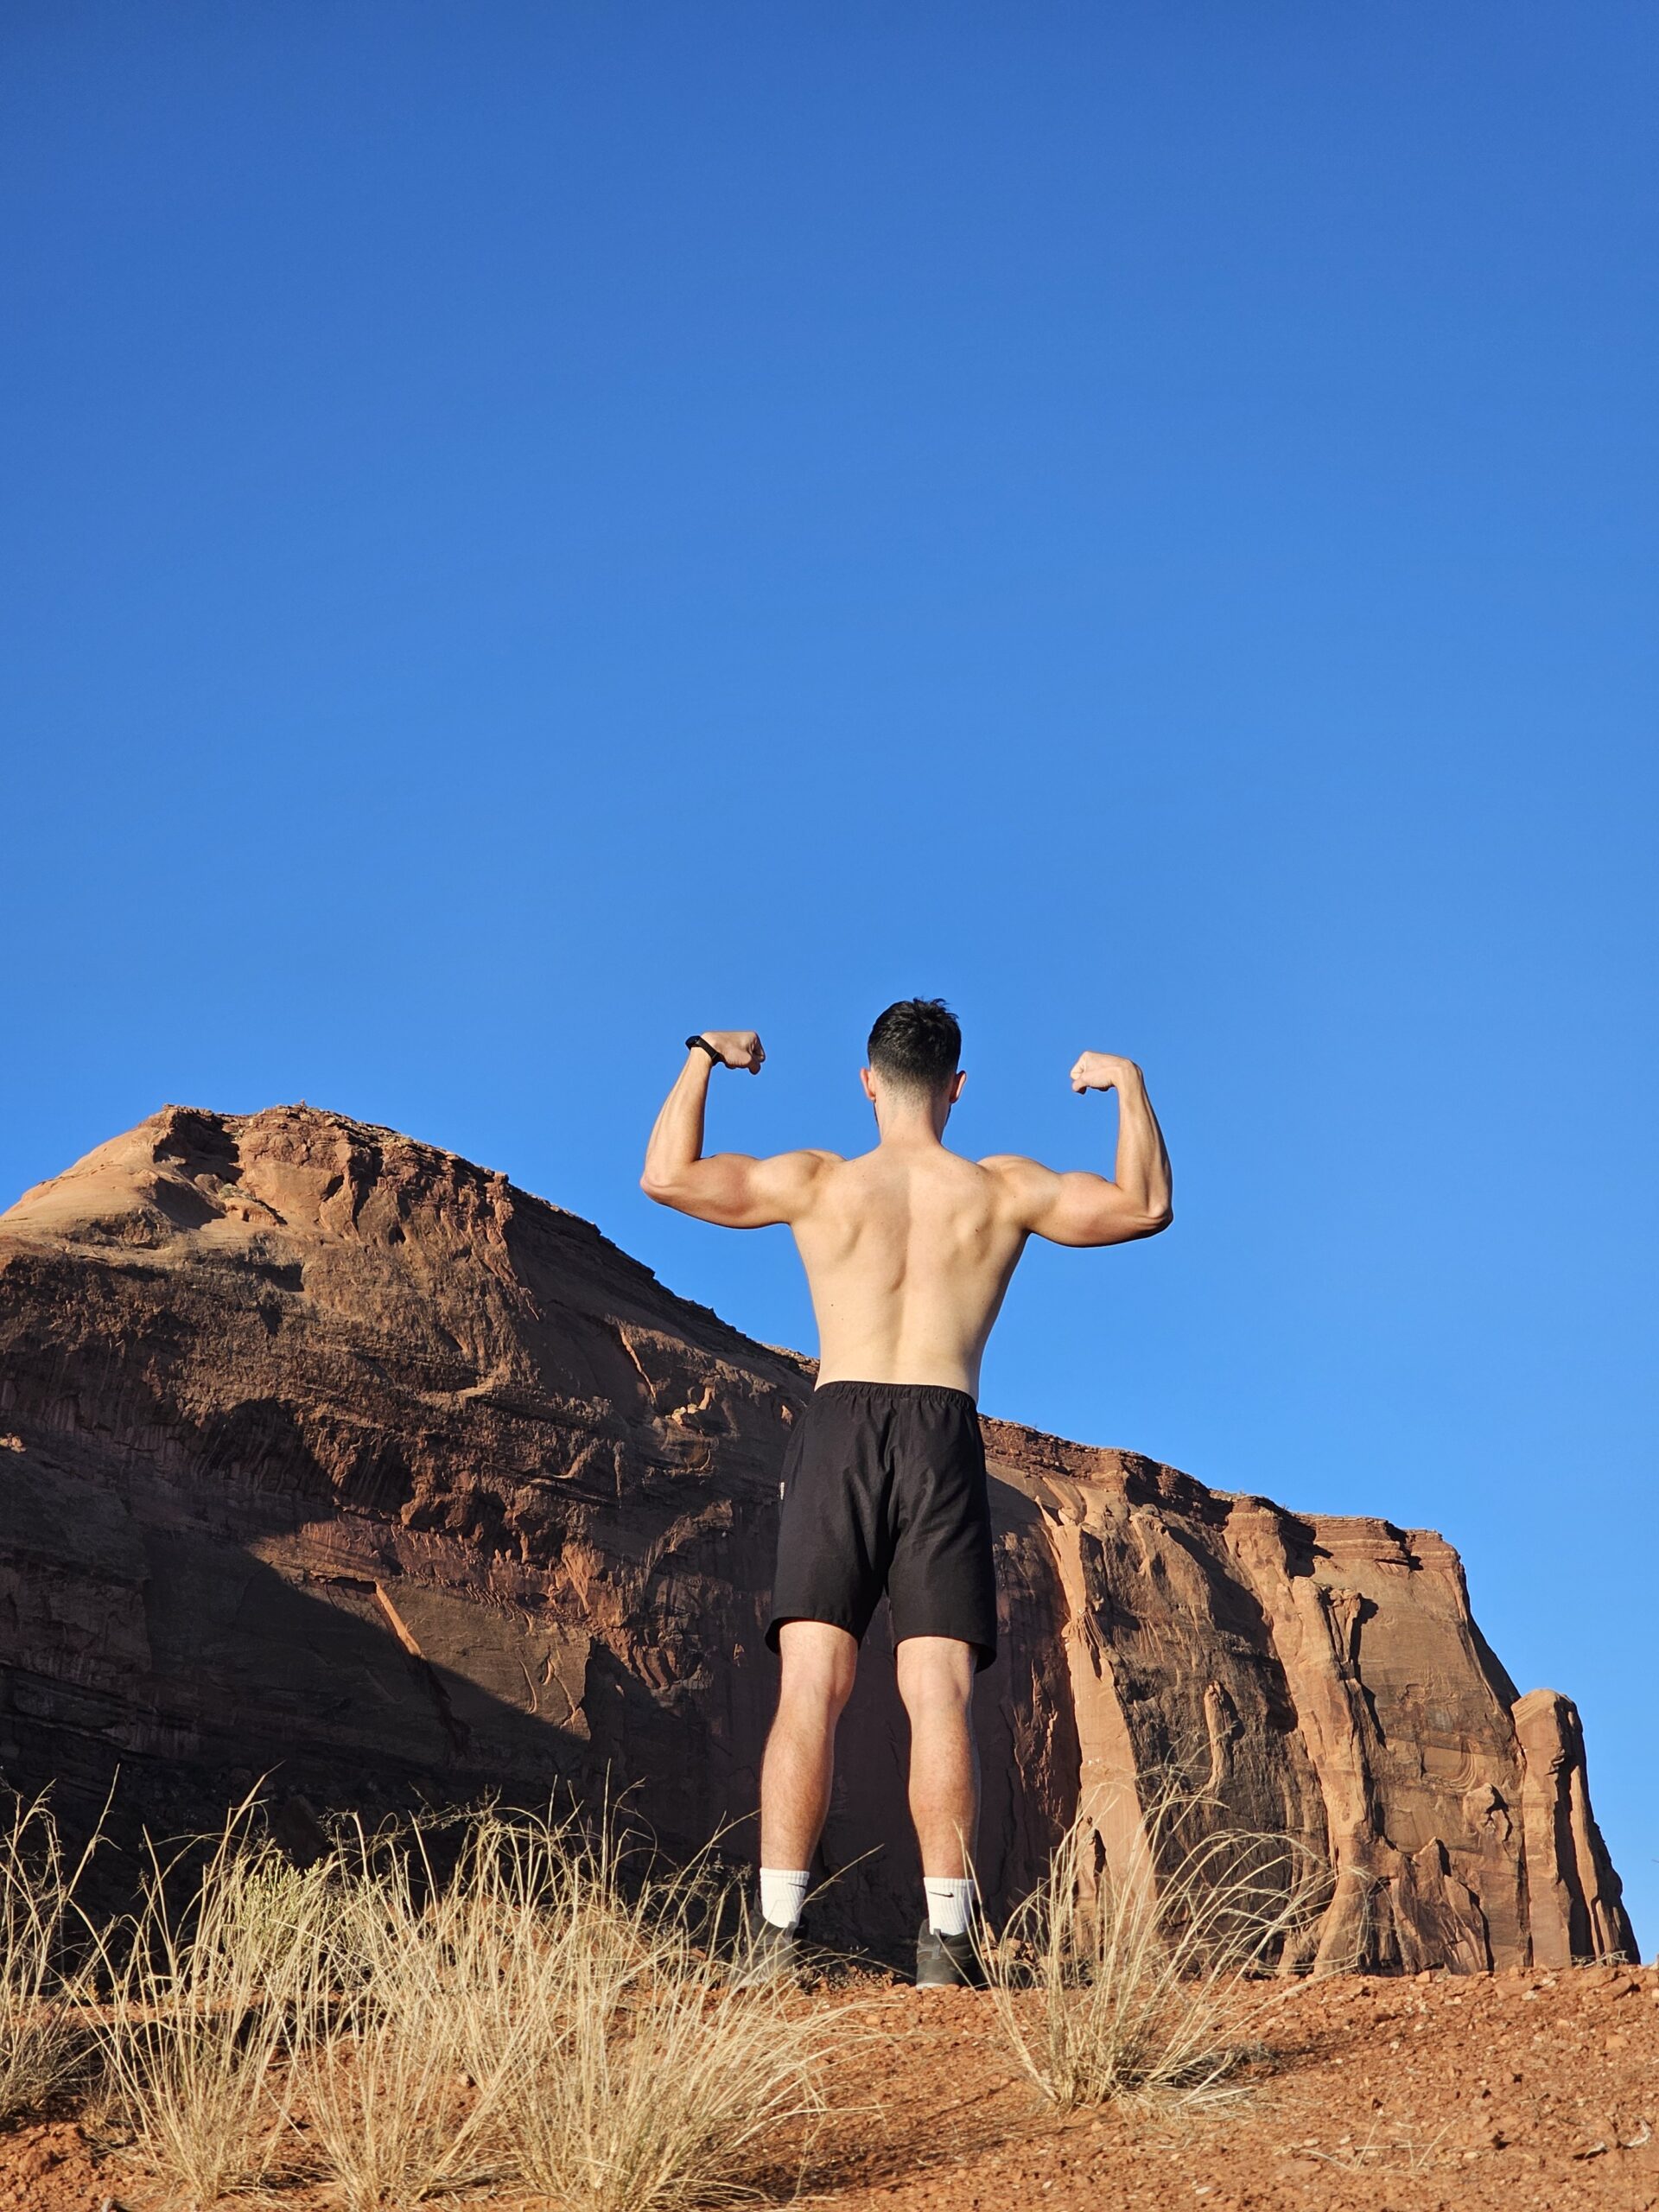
(868, 1081)
(956, 1087)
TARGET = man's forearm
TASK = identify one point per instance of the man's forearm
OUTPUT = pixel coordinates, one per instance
(1142, 1171)
(675, 1142)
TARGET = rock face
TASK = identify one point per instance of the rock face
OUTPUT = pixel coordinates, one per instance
(330, 1456)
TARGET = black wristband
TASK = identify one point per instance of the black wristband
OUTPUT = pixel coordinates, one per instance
(713, 1054)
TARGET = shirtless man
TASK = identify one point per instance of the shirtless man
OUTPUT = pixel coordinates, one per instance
(908, 1251)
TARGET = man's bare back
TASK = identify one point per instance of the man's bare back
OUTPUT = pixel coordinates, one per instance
(908, 1249)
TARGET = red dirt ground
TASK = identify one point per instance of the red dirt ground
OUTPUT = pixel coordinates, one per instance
(1475, 2092)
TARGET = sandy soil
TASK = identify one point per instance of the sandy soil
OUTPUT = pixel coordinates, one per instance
(1511, 2090)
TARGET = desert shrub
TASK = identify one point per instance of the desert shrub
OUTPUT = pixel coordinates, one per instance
(1113, 1983)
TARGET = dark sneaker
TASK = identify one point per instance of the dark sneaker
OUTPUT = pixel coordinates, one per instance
(768, 1957)
(947, 1962)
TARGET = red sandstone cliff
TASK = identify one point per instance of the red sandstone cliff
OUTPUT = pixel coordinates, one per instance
(329, 1454)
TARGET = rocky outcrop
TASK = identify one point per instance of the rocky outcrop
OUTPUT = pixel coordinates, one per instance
(1574, 1894)
(331, 1457)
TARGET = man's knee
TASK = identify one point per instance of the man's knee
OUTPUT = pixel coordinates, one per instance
(935, 1677)
(819, 1665)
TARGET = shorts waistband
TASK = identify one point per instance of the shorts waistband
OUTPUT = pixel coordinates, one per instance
(943, 1390)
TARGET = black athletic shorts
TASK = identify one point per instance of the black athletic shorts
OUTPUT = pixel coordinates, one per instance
(883, 1489)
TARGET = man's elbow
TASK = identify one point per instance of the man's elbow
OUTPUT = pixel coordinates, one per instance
(1153, 1221)
(663, 1188)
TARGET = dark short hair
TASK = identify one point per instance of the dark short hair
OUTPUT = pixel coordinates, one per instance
(916, 1044)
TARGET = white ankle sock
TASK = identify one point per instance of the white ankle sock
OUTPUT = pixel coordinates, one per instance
(782, 1896)
(948, 1903)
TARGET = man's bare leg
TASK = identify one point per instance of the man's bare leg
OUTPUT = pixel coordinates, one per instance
(818, 1664)
(936, 1681)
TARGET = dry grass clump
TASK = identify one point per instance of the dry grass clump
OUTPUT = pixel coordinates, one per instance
(1140, 1984)
(42, 2039)
(206, 1998)
(385, 2072)
(548, 2013)
(631, 2077)
(538, 2018)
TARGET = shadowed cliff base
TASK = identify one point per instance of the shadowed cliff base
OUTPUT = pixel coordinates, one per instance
(331, 1456)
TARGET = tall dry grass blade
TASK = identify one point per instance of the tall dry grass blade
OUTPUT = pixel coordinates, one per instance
(43, 2037)
(204, 2003)
(1141, 1981)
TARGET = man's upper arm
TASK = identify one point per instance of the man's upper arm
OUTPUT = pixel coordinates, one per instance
(736, 1191)
(1074, 1207)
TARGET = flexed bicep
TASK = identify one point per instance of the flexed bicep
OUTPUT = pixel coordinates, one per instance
(729, 1188)
(733, 1188)
(1076, 1207)
(735, 1192)
(1079, 1207)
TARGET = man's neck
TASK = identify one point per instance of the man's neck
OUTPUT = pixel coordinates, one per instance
(914, 1130)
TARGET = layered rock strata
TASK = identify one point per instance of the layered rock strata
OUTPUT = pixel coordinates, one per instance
(329, 1456)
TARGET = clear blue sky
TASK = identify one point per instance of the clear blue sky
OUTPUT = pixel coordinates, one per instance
(532, 528)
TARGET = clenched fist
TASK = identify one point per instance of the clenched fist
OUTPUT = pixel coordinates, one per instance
(738, 1048)
(1099, 1071)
